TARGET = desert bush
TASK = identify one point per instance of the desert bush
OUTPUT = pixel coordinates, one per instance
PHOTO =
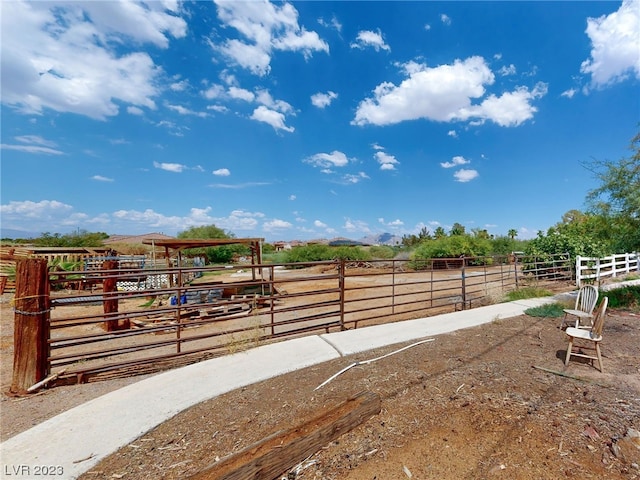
(624, 297)
(553, 310)
(357, 254)
(382, 252)
(319, 253)
(274, 257)
(308, 253)
(527, 292)
(222, 254)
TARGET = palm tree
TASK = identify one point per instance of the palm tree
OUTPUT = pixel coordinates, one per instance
(513, 233)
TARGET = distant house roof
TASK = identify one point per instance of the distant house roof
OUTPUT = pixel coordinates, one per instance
(145, 238)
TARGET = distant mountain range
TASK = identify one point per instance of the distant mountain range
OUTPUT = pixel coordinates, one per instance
(382, 239)
(13, 234)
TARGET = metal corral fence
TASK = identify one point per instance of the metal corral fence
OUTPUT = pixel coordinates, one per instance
(598, 269)
(110, 332)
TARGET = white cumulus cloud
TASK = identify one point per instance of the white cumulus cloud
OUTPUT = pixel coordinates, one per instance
(265, 28)
(30, 209)
(356, 226)
(328, 160)
(455, 161)
(222, 172)
(615, 40)
(322, 100)
(507, 70)
(241, 94)
(276, 224)
(170, 167)
(386, 161)
(272, 117)
(370, 39)
(351, 178)
(66, 57)
(445, 94)
(463, 175)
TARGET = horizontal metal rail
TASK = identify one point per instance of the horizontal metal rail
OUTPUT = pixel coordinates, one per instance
(270, 303)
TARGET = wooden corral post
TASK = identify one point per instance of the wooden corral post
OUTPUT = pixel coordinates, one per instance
(3, 282)
(342, 271)
(109, 295)
(464, 285)
(31, 324)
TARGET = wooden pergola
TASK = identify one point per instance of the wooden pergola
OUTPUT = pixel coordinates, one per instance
(174, 247)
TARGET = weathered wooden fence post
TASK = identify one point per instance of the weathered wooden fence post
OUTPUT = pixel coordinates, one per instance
(31, 324)
(464, 285)
(342, 271)
(109, 295)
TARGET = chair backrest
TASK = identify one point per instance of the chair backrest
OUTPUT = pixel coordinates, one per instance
(598, 321)
(587, 299)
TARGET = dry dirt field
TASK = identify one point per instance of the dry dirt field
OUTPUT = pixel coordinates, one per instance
(469, 405)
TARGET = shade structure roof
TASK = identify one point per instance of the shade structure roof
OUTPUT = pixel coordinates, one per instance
(175, 246)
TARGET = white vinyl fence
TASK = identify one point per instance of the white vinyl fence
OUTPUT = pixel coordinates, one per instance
(588, 268)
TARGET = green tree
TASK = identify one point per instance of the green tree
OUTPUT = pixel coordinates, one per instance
(412, 240)
(512, 234)
(439, 233)
(424, 234)
(617, 199)
(205, 232)
(457, 229)
(481, 233)
(503, 245)
(558, 241)
(221, 254)
(79, 238)
(268, 248)
(409, 241)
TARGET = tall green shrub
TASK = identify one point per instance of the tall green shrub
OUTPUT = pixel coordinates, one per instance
(382, 252)
(558, 242)
(452, 247)
(318, 253)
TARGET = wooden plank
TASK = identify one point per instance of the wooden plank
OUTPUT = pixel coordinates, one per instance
(278, 453)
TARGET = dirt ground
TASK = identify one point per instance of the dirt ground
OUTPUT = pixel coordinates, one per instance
(469, 405)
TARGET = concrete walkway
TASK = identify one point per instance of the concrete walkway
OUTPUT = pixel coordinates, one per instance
(76, 440)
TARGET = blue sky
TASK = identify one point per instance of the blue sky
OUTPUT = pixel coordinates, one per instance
(311, 120)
